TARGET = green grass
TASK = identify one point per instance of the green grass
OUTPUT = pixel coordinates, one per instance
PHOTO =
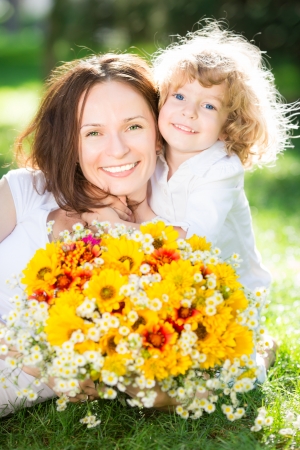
(274, 199)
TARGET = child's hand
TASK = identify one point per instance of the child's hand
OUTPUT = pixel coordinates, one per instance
(119, 205)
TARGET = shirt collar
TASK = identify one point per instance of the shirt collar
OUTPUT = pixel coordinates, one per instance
(202, 162)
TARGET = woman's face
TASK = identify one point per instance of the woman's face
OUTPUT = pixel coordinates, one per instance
(118, 140)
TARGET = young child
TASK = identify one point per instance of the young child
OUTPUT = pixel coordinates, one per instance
(220, 113)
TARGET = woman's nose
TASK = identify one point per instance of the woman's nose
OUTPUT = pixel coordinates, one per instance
(117, 146)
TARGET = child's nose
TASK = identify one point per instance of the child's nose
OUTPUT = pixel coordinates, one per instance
(190, 111)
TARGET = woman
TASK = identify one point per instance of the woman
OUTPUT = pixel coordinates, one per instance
(95, 132)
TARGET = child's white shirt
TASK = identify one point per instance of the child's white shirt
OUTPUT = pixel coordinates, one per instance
(206, 197)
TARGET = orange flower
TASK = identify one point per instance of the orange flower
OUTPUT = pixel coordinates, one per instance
(162, 256)
(159, 336)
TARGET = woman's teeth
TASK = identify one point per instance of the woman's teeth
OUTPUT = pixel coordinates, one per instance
(115, 169)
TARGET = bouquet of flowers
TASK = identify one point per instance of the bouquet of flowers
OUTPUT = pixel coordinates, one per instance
(141, 308)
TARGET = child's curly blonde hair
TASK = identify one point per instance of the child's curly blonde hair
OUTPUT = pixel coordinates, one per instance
(259, 123)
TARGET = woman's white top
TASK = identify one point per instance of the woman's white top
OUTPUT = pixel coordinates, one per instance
(206, 197)
(32, 210)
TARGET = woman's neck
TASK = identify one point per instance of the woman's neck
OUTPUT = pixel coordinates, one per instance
(143, 212)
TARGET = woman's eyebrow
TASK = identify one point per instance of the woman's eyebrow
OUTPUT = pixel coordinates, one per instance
(128, 119)
(92, 125)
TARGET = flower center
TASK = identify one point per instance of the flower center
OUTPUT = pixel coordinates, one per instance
(138, 322)
(40, 296)
(127, 258)
(111, 344)
(157, 243)
(184, 313)
(107, 292)
(201, 331)
(63, 281)
(120, 309)
(42, 272)
(156, 339)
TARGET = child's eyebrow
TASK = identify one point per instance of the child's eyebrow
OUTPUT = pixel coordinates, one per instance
(218, 98)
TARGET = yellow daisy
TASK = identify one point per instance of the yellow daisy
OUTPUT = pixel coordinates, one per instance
(215, 353)
(163, 365)
(41, 271)
(237, 301)
(105, 288)
(219, 321)
(198, 243)
(237, 340)
(116, 363)
(160, 290)
(146, 318)
(86, 346)
(226, 276)
(163, 235)
(109, 341)
(72, 298)
(180, 273)
(62, 322)
(123, 255)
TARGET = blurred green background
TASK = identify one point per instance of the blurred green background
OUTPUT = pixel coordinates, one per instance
(35, 35)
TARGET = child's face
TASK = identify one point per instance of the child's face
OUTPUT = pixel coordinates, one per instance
(192, 118)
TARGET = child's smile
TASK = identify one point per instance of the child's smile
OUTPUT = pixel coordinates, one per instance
(193, 116)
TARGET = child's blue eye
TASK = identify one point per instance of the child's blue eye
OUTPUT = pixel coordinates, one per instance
(179, 96)
(208, 106)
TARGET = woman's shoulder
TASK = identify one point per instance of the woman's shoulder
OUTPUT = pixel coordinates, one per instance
(25, 178)
(27, 187)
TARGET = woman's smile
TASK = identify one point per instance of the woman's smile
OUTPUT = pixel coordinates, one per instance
(120, 171)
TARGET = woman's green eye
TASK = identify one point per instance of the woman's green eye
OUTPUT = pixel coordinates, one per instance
(134, 127)
(93, 133)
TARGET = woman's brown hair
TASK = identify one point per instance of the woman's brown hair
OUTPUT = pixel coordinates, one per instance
(54, 131)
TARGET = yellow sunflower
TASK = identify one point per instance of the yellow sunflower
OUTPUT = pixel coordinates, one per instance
(198, 243)
(123, 255)
(41, 271)
(62, 322)
(105, 288)
(226, 275)
(163, 235)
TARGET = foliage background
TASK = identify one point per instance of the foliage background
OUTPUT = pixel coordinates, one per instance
(35, 35)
